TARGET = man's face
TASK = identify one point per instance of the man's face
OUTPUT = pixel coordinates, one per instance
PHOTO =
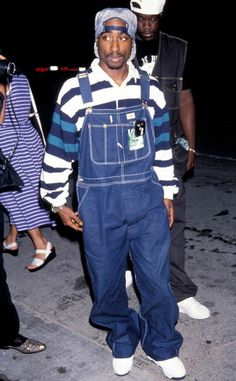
(148, 25)
(114, 47)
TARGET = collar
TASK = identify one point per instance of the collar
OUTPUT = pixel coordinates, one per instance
(101, 75)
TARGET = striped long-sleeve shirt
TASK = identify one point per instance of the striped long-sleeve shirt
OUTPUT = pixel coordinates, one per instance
(63, 143)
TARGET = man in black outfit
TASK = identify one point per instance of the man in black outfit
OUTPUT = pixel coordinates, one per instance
(9, 319)
(164, 57)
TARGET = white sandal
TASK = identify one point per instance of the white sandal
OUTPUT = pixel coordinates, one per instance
(49, 254)
(10, 248)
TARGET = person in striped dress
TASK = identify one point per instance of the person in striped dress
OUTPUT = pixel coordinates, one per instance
(112, 120)
(21, 141)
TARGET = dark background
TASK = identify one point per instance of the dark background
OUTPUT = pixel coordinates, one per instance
(64, 35)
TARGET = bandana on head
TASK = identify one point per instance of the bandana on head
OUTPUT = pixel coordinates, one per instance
(121, 13)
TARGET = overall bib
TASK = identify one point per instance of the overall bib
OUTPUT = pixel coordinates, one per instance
(120, 201)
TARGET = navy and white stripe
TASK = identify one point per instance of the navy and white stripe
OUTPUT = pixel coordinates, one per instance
(63, 142)
(25, 205)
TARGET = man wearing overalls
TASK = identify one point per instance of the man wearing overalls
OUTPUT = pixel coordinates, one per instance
(112, 120)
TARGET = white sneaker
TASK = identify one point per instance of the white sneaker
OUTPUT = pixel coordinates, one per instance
(193, 309)
(128, 278)
(172, 368)
(122, 366)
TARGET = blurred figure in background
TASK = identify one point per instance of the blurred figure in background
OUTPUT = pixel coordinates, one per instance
(20, 140)
(164, 57)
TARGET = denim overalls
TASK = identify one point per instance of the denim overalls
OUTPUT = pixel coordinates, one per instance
(121, 205)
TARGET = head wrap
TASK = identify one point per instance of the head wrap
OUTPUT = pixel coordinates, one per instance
(121, 13)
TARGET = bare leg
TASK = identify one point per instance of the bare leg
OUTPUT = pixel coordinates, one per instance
(12, 235)
(37, 238)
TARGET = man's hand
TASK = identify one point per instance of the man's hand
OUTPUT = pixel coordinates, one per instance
(170, 209)
(70, 218)
(191, 160)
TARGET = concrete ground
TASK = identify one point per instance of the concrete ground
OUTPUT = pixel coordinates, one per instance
(54, 303)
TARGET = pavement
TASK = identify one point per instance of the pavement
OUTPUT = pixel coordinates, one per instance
(54, 303)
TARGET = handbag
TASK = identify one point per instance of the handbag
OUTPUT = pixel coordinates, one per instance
(35, 115)
(9, 178)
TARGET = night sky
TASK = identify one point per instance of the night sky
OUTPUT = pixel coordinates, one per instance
(65, 36)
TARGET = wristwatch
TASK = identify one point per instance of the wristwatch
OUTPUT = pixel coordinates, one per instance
(56, 209)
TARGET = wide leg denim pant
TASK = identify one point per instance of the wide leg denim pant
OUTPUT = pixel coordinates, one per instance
(130, 217)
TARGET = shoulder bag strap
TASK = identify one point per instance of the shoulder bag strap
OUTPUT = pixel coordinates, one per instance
(36, 114)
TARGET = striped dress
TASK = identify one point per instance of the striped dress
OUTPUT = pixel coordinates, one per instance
(24, 206)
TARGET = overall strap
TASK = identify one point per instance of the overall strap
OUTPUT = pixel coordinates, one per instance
(145, 84)
(85, 87)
